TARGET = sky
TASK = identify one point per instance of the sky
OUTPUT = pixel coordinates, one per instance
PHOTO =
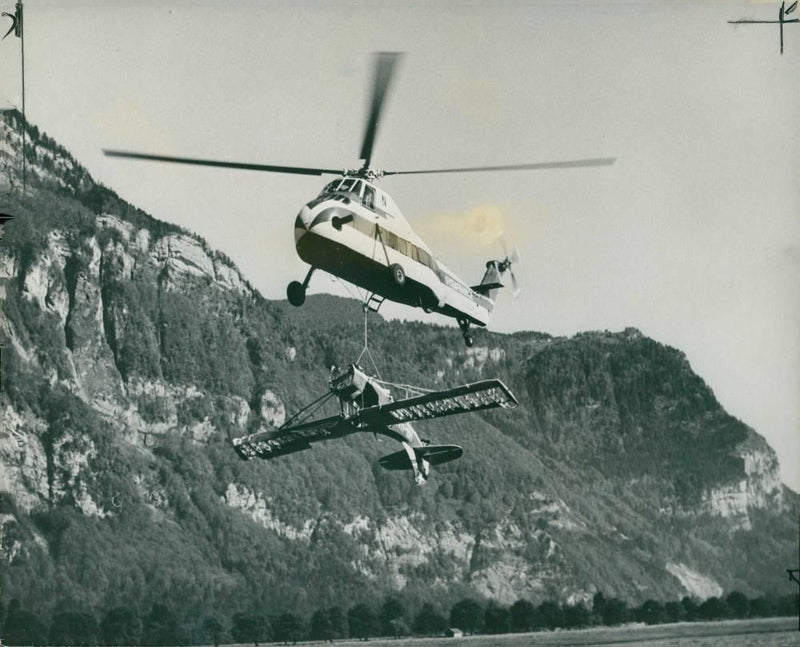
(692, 236)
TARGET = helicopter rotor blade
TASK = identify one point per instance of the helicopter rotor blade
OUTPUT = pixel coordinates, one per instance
(514, 284)
(600, 161)
(385, 63)
(296, 170)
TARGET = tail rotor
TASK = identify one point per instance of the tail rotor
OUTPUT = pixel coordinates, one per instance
(507, 264)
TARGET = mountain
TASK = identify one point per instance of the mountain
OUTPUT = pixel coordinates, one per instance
(133, 352)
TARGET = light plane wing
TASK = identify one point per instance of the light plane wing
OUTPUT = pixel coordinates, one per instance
(279, 442)
(488, 394)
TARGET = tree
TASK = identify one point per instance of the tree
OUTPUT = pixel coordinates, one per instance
(73, 628)
(338, 620)
(496, 619)
(690, 608)
(391, 610)
(739, 604)
(213, 629)
(467, 615)
(615, 612)
(320, 626)
(651, 612)
(576, 615)
(551, 614)
(599, 604)
(362, 622)
(289, 628)
(160, 627)
(523, 615)
(429, 622)
(713, 609)
(762, 607)
(788, 605)
(121, 626)
(400, 627)
(675, 611)
(23, 627)
(250, 628)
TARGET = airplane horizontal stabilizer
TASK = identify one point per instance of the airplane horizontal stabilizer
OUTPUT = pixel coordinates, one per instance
(485, 288)
(434, 454)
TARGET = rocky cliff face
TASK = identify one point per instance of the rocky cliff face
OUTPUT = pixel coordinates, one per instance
(134, 352)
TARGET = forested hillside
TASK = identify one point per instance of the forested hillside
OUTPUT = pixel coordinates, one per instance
(133, 352)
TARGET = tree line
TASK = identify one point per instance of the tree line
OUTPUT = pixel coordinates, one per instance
(124, 626)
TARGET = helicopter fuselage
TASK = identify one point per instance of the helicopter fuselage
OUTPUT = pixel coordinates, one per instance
(355, 231)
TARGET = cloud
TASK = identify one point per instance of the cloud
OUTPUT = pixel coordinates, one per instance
(476, 228)
(482, 228)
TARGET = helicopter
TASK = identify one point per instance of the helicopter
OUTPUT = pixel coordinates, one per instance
(366, 404)
(354, 230)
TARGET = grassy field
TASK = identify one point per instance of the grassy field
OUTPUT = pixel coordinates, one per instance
(769, 632)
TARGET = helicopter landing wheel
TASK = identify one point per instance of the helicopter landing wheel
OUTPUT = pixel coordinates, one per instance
(296, 293)
(464, 325)
(398, 274)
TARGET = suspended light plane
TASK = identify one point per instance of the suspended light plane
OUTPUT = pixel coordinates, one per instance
(366, 404)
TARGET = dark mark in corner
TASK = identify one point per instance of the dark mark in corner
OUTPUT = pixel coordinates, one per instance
(782, 13)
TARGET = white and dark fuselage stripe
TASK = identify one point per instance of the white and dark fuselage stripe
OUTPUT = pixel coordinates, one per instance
(340, 235)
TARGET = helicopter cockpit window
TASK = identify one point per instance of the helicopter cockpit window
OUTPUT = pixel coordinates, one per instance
(348, 185)
(330, 187)
(369, 197)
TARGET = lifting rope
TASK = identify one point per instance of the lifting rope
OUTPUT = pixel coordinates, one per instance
(306, 412)
(365, 307)
(409, 389)
(365, 350)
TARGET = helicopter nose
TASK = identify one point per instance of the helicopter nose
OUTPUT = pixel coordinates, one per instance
(303, 220)
(302, 224)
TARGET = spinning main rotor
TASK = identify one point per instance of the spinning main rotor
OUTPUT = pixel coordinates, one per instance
(384, 67)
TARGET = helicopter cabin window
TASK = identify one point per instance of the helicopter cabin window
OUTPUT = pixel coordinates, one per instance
(425, 258)
(391, 240)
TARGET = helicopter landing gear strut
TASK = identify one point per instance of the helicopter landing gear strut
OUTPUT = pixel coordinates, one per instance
(296, 291)
(464, 325)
